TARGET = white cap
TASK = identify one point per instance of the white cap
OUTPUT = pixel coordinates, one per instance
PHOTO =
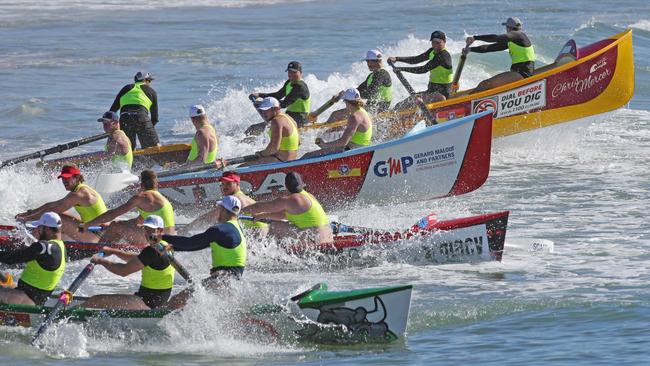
(373, 55)
(268, 103)
(197, 110)
(49, 219)
(230, 203)
(154, 222)
(351, 94)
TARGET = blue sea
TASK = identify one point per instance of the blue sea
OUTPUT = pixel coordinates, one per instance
(585, 186)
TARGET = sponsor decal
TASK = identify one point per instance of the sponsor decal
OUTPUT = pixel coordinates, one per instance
(420, 161)
(344, 171)
(600, 63)
(582, 84)
(516, 101)
(449, 114)
(470, 241)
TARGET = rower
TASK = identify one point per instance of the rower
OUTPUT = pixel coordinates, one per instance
(157, 272)
(306, 218)
(439, 67)
(376, 89)
(45, 264)
(147, 202)
(204, 143)
(230, 185)
(227, 243)
(522, 54)
(85, 200)
(118, 145)
(294, 94)
(357, 133)
(135, 102)
(283, 131)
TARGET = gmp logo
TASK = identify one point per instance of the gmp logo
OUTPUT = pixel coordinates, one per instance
(393, 166)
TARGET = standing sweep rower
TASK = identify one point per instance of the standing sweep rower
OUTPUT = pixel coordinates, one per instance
(45, 264)
(522, 54)
(157, 272)
(118, 146)
(294, 94)
(85, 200)
(135, 102)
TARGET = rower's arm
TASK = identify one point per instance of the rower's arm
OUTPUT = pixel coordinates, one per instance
(440, 59)
(277, 95)
(350, 129)
(111, 215)
(274, 216)
(207, 219)
(193, 243)
(125, 256)
(121, 269)
(153, 96)
(498, 43)
(116, 103)
(22, 255)
(299, 90)
(60, 206)
(202, 141)
(277, 205)
(415, 59)
(274, 145)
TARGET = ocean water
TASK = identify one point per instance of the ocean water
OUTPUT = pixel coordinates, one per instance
(582, 185)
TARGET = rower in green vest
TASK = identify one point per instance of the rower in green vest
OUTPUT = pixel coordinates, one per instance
(138, 106)
(204, 143)
(522, 54)
(377, 89)
(45, 264)
(228, 250)
(118, 146)
(147, 202)
(294, 94)
(85, 200)
(439, 67)
(157, 272)
(357, 133)
(306, 219)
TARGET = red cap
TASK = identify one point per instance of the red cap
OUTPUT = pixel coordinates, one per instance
(68, 172)
(230, 176)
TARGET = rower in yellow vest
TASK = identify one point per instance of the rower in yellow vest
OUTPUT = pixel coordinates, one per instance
(306, 219)
(138, 106)
(147, 202)
(118, 146)
(85, 200)
(283, 131)
(227, 243)
(45, 264)
(157, 272)
(204, 144)
(522, 54)
(438, 66)
(294, 94)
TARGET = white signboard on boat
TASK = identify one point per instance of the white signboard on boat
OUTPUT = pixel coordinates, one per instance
(516, 101)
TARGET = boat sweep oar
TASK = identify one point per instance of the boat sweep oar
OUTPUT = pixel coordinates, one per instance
(461, 64)
(427, 113)
(64, 299)
(53, 150)
(314, 115)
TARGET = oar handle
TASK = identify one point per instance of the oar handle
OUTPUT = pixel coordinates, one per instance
(160, 248)
(427, 113)
(313, 115)
(459, 70)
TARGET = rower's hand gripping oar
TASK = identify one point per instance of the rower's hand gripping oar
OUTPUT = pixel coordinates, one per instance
(314, 115)
(6, 280)
(160, 248)
(431, 120)
(53, 150)
(64, 299)
(461, 64)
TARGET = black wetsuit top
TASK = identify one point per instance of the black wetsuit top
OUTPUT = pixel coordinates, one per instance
(148, 91)
(153, 298)
(299, 91)
(442, 58)
(500, 43)
(380, 77)
(38, 252)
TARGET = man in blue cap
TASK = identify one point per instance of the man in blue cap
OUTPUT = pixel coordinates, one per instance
(136, 102)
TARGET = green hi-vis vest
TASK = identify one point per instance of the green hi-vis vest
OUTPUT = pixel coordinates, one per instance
(314, 217)
(36, 276)
(158, 279)
(384, 93)
(88, 213)
(300, 105)
(363, 138)
(291, 142)
(121, 161)
(194, 150)
(521, 54)
(166, 212)
(226, 257)
(136, 96)
(440, 75)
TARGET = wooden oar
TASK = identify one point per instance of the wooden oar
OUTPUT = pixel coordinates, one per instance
(198, 168)
(314, 115)
(64, 299)
(461, 64)
(257, 128)
(53, 150)
(427, 113)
